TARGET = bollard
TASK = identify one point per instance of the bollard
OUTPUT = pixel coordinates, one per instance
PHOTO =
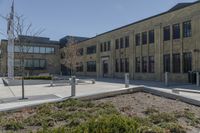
(197, 74)
(51, 84)
(166, 79)
(73, 86)
(126, 80)
(93, 81)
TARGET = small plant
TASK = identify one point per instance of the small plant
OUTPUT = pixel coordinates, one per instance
(151, 111)
(13, 125)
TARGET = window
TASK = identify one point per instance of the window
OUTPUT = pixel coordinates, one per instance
(121, 65)
(151, 36)
(187, 62)
(144, 64)
(101, 45)
(79, 67)
(137, 64)
(151, 64)
(166, 33)
(42, 63)
(91, 50)
(144, 38)
(36, 63)
(17, 63)
(137, 39)
(176, 63)
(126, 65)
(117, 44)
(108, 45)
(166, 63)
(187, 29)
(17, 49)
(91, 66)
(126, 41)
(121, 43)
(50, 50)
(117, 65)
(105, 48)
(42, 50)
(176, 31)
(36, 50)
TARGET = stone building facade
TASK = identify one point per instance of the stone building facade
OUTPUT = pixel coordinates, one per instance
(168, 42)
(41, 55)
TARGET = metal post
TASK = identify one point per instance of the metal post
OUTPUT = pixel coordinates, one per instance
(73, 86)
(197, 74)
(126, 80)
(51, 81)
(166, 79)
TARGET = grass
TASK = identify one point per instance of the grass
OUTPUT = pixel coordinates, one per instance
(86, 117)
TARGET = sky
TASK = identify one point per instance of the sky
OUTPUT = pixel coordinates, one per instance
(86, 18)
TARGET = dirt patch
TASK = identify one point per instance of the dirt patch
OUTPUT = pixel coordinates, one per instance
(142, 104)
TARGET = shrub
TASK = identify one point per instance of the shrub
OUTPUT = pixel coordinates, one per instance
(38, 78)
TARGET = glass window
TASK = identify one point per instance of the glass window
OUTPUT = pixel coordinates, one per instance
(101, 47)
(36, 63)
(126, 41)
(17, 63)
(109, 45)
(91, 66)
(117, 65)
(121, 42)
(79, 67)
(144, 64)
(105, 48)
(137, 39)
(117, 44)
(151, 64)
(122, 63)
(91, 49)
(151, 36)
(42, 63)
(36, 49)
(166, 33)
(176, 63)
(137, 64)
(126, 65)
(187, 29)
(176, 31)
(17, 49)
(166, 62)
(144, 38)
(187, 62)
(42, 50)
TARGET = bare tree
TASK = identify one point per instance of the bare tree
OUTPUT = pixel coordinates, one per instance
(70, 55)
(22, 29)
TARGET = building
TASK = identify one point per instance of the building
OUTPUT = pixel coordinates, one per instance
(41, 55)
(167, 42)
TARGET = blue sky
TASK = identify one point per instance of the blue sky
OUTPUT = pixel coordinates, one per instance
(85, 18)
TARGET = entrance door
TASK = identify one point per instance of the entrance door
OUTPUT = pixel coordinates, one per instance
(105, 68)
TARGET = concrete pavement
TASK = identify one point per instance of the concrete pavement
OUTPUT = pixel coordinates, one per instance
(58, 92)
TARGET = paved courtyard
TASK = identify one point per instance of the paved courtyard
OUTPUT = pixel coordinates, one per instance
(38, 94)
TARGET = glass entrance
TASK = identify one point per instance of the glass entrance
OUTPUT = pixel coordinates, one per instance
(105, 68)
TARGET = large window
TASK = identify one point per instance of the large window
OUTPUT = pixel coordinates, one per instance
(166, 33)
(91, 66)
(31, 63)
(151, 64)
(42, 50)
(117, 44)
(117, 65)
(104, 46)
(151, 36)
(187, 29)
(126, 65)
(91, 49)
(176, 63)
(36, 50)
(101, 47)
(187, 62)
(176, 31)
(137, 39)
(122, 62)
(137, 64)
(166, 63)
(121, 42)
(109, 45)
(126, 41)
(144, 38)
(144, 64)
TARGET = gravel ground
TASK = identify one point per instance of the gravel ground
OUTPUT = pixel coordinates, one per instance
(137, 103)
